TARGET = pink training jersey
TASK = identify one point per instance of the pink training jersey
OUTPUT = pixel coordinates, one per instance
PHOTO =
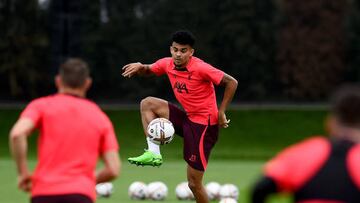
(285, 168)
(73, 133)
(293, 167)
(193, 88)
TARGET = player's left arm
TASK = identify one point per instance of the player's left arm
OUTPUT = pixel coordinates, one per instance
(230, 85)
(109, 148)
(19, 145)
(111, 169)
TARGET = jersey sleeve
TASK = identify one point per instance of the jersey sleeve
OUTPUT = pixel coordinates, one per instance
(159, 67)
(210, 73)
(33, 111)
(291, 168)
(108, 141)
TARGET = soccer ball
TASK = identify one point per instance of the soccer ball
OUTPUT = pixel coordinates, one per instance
(183, 191)
(160, 131)
(104, 189)
(229, 191)
(157, 191)
(212, 190)
(137, 190)
(228, 200)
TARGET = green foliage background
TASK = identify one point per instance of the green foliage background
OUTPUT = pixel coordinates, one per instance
(279, 50)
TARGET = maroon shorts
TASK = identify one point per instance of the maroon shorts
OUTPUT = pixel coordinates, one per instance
(68, 198)
(198, 139)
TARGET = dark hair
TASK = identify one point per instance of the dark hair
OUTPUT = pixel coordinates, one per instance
(183, 37)
(74, 72)
(346, 105)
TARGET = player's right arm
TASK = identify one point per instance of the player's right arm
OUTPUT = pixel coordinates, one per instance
(136, 68)
(18, 145)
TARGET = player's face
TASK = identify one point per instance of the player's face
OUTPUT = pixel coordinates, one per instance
(181, 54)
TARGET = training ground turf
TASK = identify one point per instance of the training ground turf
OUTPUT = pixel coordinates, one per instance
(240, 173)
(253, 137)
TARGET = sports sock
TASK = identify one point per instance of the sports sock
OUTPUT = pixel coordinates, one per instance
(152, 147)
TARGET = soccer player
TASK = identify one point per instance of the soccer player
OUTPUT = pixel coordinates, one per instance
(319, 169)
(73, 134)
(193, 83)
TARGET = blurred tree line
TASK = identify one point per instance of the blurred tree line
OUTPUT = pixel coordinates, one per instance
(279, 50)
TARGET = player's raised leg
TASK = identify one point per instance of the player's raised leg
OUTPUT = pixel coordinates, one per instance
(151, 108)
(195, 178)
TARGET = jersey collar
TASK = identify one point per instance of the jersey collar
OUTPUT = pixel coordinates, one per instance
(187, 67)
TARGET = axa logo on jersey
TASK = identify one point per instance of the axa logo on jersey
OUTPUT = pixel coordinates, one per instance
(180, 87)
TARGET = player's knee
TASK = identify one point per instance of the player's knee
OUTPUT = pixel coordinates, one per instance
(150, 103)
(147, 103)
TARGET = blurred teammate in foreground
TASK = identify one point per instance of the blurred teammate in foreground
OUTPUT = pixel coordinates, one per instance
(321, 170)
(73, 134)
(193, 83)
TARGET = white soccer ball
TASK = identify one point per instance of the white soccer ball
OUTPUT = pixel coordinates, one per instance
(229, 191)
(157, 191)
(104, 189)
(160, 131)
(137, 190)
(183, 191)
(228, 200)
(213, 190)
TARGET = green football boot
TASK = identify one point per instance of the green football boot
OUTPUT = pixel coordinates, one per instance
(147, 159)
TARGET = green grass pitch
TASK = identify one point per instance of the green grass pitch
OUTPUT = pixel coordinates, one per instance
(241, 173)
(252, 138)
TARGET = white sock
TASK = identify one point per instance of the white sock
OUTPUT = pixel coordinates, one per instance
(152, 147)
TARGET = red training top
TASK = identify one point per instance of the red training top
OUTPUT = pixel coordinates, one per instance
(306, 164)
(73, 133)
(193, 88)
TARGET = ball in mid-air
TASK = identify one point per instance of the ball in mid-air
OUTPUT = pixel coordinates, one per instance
(160, 131)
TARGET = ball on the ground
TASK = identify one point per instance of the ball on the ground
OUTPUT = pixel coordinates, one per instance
(228, 200)
(213, 190)
(183, 191)
(137, 190)
(229, 191)
(160, 131)
(104, 189)
(157, 190)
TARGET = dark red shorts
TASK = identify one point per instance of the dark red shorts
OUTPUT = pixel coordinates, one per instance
(68, 198)
(198, 139)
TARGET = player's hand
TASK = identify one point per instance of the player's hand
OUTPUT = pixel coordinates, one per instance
(131, 69)
(24, 182)
(223, 122)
